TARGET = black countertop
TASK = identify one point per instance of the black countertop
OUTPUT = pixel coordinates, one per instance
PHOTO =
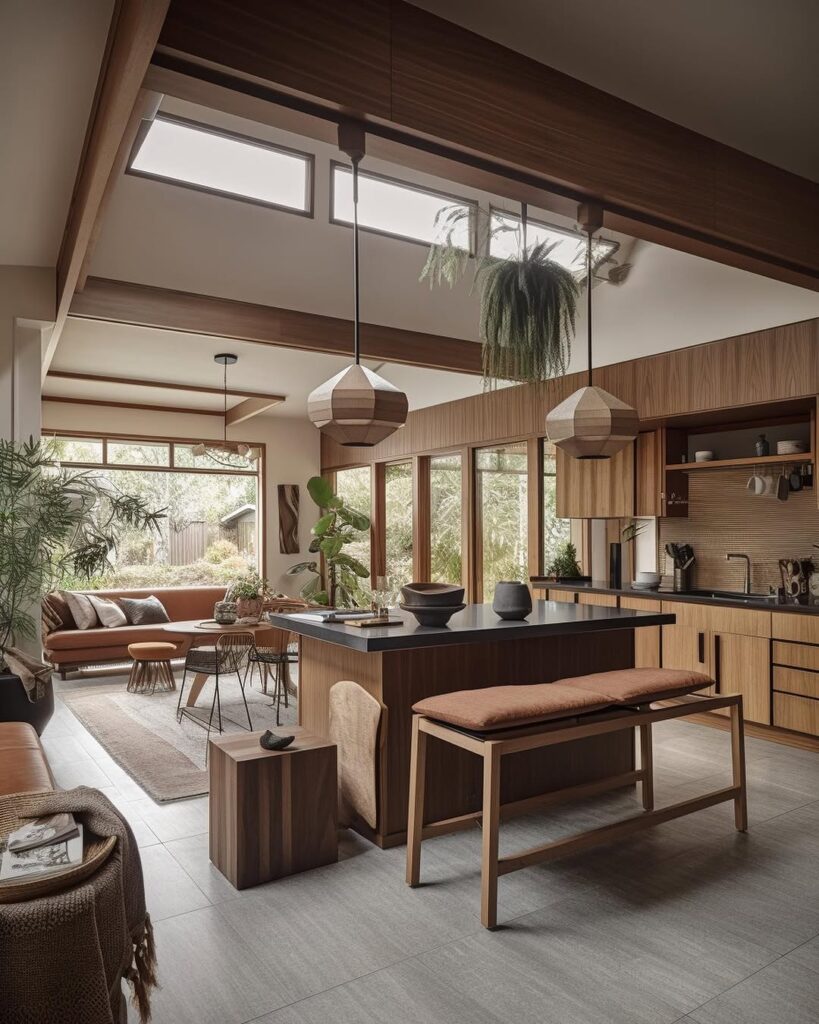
(602, 587)
(477, 623)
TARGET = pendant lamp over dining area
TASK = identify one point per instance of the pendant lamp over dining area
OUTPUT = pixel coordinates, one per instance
(356, 407)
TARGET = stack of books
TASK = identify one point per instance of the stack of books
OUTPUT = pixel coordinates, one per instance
(43, 846)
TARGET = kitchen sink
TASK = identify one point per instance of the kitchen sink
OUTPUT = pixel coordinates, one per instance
(733, 595)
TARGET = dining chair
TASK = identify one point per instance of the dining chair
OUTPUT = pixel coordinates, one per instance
(275, 655)
(228, 657)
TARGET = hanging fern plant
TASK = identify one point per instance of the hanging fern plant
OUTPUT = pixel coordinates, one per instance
(528, 304)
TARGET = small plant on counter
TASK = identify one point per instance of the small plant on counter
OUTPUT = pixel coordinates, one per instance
(338, 526)
(564, 565)
(250, 587)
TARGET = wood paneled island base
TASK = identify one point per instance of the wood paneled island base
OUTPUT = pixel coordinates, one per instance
(559, 641)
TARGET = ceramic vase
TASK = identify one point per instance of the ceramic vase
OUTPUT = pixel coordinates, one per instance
(225, 613)
(250, 607)
(616, 565)
(512, 600)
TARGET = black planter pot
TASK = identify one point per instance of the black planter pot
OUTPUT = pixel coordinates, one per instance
(513, 600)
(16, 707)
(616, 565)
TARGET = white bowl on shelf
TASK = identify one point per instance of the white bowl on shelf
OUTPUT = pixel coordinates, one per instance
(704, 456)
(791, 447)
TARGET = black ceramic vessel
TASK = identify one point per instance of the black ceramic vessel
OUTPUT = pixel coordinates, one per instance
(16, 707)
(616, 565)
(512, 600)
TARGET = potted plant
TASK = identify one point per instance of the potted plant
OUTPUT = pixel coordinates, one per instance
(249, 592)
(528, 303)
(337, 528)
(54, 522)
(564, 567)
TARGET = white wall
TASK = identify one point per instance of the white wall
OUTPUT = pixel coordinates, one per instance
(27, 306)
(292, 449)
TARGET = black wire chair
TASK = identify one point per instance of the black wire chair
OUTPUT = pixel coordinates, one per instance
(228, 657)
(276, 656)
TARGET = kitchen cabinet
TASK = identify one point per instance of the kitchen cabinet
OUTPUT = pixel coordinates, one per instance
(729, 644)
(595, 489)
(795, 672)
(647, 639)
(604, 600)
(562, 595)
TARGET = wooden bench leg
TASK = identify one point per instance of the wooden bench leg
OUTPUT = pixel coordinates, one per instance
(415, 825)
(490, 824)
(738, 764)
(647, 767)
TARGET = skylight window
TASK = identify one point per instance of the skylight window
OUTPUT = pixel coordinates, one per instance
(212, 160)
(395, 208)
(569, 247)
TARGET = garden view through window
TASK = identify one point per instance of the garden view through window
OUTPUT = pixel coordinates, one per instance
(502, 490)
(398, 515)
(210, 533)
(555, 531)
(355, 487)
(445, 518)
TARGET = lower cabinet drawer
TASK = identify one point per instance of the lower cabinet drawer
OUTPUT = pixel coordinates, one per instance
(562, 595)
(606, 600)
(798, 713)
(791, 680)
(796, 655)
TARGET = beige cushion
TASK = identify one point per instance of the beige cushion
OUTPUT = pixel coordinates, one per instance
(639, 685)
(502, 707)
(146, 651)
(355, 716)
(82, 611)
(108, 612)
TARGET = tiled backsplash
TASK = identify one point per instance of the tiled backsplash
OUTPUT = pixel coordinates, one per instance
(724, 516)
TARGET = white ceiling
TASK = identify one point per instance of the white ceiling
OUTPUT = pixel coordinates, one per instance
(120, 350)
(50, 56)
(744, 72)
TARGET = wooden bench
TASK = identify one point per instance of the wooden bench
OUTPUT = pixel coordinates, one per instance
(508, 719)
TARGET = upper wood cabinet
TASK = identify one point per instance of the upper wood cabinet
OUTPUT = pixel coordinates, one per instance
(595, 489)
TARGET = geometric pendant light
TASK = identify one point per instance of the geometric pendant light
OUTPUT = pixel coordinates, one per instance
(591, 423)
(356, 407)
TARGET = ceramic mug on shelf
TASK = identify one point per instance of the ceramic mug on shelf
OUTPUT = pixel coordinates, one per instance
(756, 483)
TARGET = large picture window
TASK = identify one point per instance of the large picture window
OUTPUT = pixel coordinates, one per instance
(445, 500)
(501, 494)
(355, 487)
(398, 523)
(555, 531)
(211, 533)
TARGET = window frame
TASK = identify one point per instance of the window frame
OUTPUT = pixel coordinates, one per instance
(550, 227)
(308, 158)
(472, 204)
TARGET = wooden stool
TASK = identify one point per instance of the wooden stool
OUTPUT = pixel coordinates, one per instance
(151, 667)
(502, 720)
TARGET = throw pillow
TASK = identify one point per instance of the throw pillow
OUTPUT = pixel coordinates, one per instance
(109, 612)
(59, 612)
(143, 611)
(82, 611)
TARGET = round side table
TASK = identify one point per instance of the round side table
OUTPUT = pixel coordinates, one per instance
(151, 667)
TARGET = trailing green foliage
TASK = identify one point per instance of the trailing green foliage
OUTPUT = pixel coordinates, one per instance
(565, 562)
(632, 531)
(528, 305)
(337, 527)
(54, 522)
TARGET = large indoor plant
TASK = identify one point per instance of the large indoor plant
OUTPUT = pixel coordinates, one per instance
(338, 526)
(528, 303)
(54, 522)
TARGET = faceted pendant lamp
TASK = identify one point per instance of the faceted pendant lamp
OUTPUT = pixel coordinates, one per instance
(356, 407)
(591, 423)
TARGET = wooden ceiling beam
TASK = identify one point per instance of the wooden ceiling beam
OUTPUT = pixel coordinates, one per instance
(132, 38)
(147, 306)
(249, 408)
(100, 378)
(409, 73)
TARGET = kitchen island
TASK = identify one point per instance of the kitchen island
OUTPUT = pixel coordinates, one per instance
(401, 664)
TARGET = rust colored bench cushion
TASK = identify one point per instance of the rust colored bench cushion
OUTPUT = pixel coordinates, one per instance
(639, 685)
(503, 707)
(23, 765)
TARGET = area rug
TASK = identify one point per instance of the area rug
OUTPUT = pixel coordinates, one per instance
(140, 731)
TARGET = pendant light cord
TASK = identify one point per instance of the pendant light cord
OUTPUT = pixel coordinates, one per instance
(224, 389)
(523, 219)
(589, 300)
(357, 318)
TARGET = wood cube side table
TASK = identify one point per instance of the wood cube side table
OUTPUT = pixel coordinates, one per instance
(272, 813)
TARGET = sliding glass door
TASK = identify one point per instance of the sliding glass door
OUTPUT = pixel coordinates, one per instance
(398, 523)
(555, 531)
(445, 519)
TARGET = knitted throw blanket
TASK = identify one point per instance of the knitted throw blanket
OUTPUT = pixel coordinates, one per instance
(62, 956)
(34, 675)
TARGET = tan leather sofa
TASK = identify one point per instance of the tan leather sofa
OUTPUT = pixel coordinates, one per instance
(69, 648)
(23, 765)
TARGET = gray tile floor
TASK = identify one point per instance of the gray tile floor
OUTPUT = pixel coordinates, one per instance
(689, 922)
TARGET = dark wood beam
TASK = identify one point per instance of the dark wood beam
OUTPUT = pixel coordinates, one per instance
(131, 405)
(132, 38)
(442, 85)
(201, 389)
(146, 306)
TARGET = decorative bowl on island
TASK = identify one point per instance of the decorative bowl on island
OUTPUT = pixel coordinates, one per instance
(432, 614)
(428, 595)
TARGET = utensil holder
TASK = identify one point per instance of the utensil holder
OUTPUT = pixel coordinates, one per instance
(682, 580)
